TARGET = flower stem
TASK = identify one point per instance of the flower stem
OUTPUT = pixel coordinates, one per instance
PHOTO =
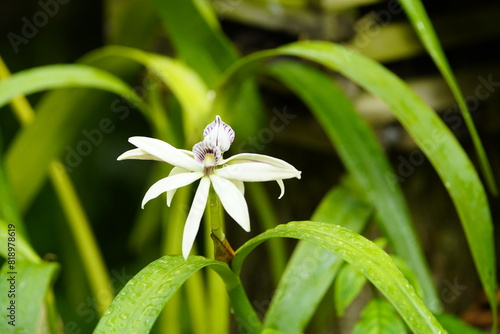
(222, 249)
(245, 314)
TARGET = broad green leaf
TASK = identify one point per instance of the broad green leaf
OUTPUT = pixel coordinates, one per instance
(421, 23)
(454, 325)
(364, 158)
(31, 280)
(311, 268)
(346, 287)
(379, 317)
(185, 84)
(61, 76)
(429, 132)
(139, 303)
(366, 257)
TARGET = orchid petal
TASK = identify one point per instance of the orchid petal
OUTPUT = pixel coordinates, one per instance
(219, 134)
(282, 187)
(259, 158)
(137, 154)
(171, 193)
(170, 183)
(240, 185)
(256, 172)
(194, 217)
(166, 152)
(232, 200)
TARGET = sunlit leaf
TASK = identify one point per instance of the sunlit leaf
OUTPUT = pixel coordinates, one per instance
(429, 132)
(366, 257)
(311, 268)
(423, 26)
(185, 84)
(358, 148)
(62, 76)
(139, 303)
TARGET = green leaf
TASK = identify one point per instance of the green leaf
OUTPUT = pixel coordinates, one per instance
(311, 268)
(23, 250)
(429, 132)
(139, 303)
(31, 280)
(421, 23)
(210, 53)
(409, 274)
(59, 118)
(454, 325)
(186, 85)
(9, 211)
(364, 158)
(365, 256)
(347, 286)
(59, 76)
(379, 317)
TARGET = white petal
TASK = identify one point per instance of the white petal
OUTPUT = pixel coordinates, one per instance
(194, 217)
(256, 172)
(166, 152)
(251, 157)
(137, 154)
(170, 183)
(282, 187)
(171, 193)
(232, 200)
(240, 185)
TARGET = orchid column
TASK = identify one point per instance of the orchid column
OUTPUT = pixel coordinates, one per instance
(205, 163)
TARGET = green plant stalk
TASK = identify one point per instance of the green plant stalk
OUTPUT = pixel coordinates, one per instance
(89, 251)
(268, 219)
(86, 244)
(52, 315)
(219, 308)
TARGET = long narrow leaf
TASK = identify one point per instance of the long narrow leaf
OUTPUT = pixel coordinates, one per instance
(311, 268)
(186, 85)
(428, 131)
(23, 250)
(29, 283)
(421, 23)
(210, 53)
(61, 76)
(363, 157)
(59, 119)
(139, 303)
(365, 256)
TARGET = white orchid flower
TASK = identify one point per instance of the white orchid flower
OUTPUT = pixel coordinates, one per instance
(205, 163)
